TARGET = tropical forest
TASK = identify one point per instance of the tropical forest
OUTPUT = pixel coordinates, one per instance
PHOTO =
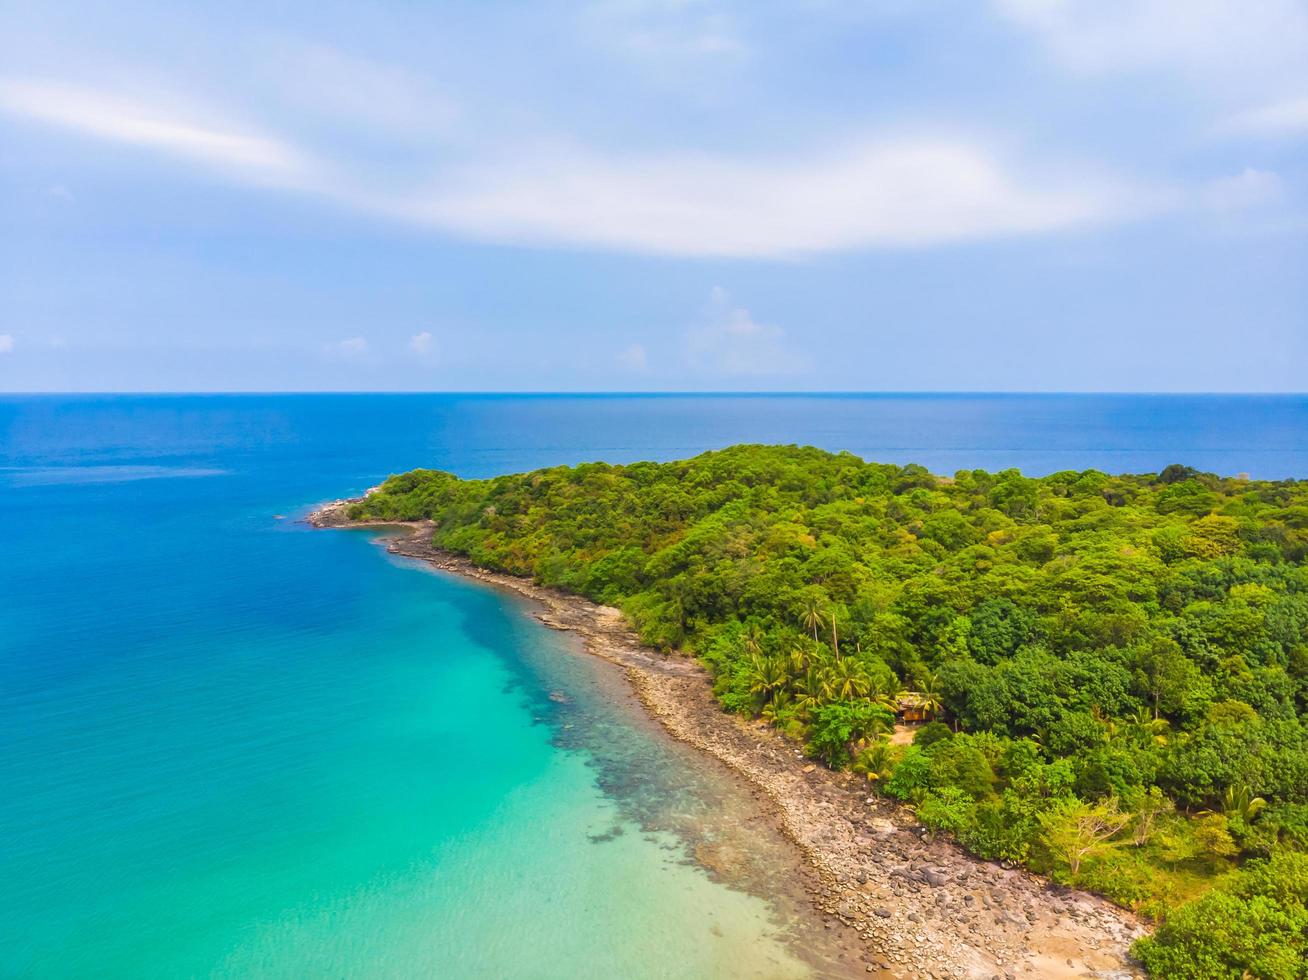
(1107, 675)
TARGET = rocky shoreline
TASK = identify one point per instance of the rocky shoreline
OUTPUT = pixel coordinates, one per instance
(913, 906)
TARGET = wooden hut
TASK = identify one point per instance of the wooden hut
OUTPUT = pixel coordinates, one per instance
(911, 707)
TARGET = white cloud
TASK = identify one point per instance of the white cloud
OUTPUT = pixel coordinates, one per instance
(909, 191)
(349, 348)
(634, 358)
(124, 121)
(1238, 44)
(1248, 189)
(889, 193)
(6, 343)
(423, 345)
(667, 34)
(1277, 118)
(345, 88)
(730, 341)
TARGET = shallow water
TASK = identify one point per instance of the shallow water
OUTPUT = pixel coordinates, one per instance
(232, 746)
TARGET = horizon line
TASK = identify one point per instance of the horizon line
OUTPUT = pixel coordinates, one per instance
(652, 393)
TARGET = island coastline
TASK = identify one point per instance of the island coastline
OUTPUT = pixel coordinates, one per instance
(918, 906)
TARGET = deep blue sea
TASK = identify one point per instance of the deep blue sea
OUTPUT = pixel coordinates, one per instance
(232, 746)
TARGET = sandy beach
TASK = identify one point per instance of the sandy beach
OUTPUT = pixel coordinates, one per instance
(908, 906)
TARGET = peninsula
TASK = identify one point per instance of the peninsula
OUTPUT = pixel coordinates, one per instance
(971, 701)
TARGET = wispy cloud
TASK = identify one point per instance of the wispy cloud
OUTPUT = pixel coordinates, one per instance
(6, 343)
(634, 358)
(731, 342)
(1248, 189)
(351, 348)
(351, 90)
(423, 345)
(1283, 117)
(673, 34)
(1237, 44)
(133, 122)
(887, 193)
(870, 192)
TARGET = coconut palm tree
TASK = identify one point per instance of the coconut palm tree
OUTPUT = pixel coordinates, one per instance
(872, 757)
(849, 680)
(811, 617)
(879, 725)
(800, 658)
(812, 690)
(774, 711)
(1146, 728)
(766, 676)
(930, 696)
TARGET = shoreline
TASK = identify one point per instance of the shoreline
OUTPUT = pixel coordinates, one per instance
(916, 906)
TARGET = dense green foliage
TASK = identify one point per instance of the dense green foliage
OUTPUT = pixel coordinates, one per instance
(1117, 666)
(1255, 922)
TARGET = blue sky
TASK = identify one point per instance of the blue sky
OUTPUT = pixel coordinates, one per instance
(1034, 195)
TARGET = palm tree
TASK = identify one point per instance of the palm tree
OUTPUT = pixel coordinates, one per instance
(757, 675)
(835, 640)
(1240, 802)
(811, 617)
(880, 725)
(1145, 727)
(872, 757)
(812, 691)
(753, 638)
(799, 658)
(930, 695)
(849, 680)
(774, 710)
(885, 697)
(766, 676)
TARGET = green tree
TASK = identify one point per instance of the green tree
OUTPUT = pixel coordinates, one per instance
(1153, 806)
(1132, 637)
(1253, 925)
(1073, 830)
(1172, 682)
(838, 724)
(811, 617)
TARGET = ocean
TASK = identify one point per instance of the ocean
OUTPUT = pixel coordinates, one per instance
(233, 746)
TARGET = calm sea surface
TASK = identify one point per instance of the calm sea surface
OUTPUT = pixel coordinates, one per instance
(231, 746)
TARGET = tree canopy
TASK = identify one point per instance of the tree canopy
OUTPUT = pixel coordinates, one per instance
(1119, 663)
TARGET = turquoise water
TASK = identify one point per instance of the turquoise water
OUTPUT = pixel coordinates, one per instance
(231, 746)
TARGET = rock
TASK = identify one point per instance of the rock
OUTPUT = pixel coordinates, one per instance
(882, 911)
(933, 878)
